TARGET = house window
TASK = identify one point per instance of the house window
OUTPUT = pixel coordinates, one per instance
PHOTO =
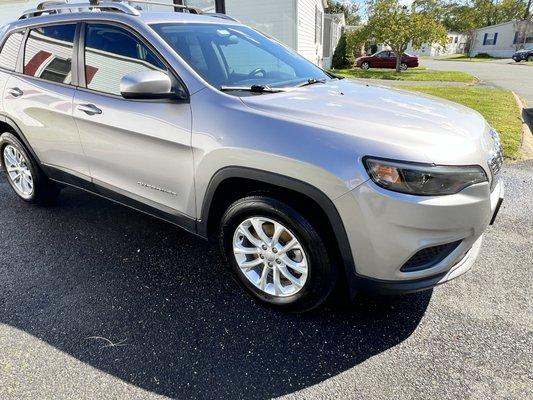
(490, 39)
(521, 38)
(319, 20)
(456, 39)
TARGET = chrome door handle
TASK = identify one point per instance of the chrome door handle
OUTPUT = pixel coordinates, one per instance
(89, 109)
(15, 92)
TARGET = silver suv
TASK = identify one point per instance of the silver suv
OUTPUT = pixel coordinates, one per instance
(306, 179)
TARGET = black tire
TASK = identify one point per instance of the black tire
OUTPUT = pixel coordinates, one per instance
(404, 66)
(530, 58)
(365, 66)
(45, 191)
(321, 273)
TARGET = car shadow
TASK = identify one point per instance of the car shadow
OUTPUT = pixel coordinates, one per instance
(153, 306)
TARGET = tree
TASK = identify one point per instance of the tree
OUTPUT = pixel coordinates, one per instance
(343, 55)
(396, 26)
(349, 9)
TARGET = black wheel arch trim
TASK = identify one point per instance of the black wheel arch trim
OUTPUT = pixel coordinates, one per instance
(288, 183)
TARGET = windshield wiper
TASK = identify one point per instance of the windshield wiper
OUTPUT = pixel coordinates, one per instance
(311, 81)
(253, 89)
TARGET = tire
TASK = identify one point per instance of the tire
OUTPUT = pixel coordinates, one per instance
(26, 179)
(403, 67)
(314, 285)
(530, 58)
(365, 65)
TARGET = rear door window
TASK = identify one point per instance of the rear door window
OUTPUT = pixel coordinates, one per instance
(10, 51)
(112, 52)
(49, 52)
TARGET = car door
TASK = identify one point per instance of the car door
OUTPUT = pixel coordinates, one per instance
(38, 97)
(140, 149)
(380, 59)
(391, 59)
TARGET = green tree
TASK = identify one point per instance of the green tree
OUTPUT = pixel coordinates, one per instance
(350, 11)
(343, 55)
(396, 26)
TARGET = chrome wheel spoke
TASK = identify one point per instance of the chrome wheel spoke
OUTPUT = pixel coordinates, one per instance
(258, 227)
(278, 230)
(278, 289)
(251, 238)
(263, 278)
(289, 276)
(250, 264)
(289, 246)
(299, 267)
(240, 249)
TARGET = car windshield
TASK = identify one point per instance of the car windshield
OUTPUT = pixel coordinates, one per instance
(234, 56)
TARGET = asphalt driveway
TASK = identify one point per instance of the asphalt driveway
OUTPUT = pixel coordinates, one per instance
(505, 74)
(99, 301)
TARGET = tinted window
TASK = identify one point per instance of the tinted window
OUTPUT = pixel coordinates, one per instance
(112, 52)
(49, 51)
(10, 51)
(227, 55)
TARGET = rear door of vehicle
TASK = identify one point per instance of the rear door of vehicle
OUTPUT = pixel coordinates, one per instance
(38, 97)
(140, 149)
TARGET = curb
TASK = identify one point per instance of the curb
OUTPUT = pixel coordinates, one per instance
(527, 136)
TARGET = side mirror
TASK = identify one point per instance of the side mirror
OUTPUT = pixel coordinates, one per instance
(147, 85)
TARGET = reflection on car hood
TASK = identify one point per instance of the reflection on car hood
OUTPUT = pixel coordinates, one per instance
(377, 113)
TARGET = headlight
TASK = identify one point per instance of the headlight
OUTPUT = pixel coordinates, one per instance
(422, 179)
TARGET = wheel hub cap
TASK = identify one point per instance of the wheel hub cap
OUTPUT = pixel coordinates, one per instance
(270, 256)
(18, 171)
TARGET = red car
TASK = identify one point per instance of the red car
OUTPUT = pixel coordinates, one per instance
(386, 59)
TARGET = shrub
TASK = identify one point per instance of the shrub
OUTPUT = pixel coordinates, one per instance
(343, 55)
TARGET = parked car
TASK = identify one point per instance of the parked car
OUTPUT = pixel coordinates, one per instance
(304, 179)
(524, 54)
(386, 59)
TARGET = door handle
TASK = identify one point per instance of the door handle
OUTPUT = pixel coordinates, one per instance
(89, 109)
(15, 92)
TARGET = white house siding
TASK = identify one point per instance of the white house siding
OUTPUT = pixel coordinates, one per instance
(308, 47)
(333, 27)
(499, 40)
(276, 18)
(456, 45)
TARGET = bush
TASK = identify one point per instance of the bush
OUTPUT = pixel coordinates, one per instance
(482, 55)
(343, 55)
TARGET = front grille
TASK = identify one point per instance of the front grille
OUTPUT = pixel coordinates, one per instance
(429, 257)
(495, 159)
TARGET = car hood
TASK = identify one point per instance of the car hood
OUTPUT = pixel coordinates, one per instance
(431, 129)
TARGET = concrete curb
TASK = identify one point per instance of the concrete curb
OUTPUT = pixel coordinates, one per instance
(527, 135)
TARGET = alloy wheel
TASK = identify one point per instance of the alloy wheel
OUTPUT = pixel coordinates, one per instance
(270, 256)
(18, 171)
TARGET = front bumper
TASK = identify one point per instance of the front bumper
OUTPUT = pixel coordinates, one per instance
(519, 56)
(385, 229)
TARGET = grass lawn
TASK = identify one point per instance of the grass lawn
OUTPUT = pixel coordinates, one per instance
(415, 74)
(462, 57)
(497, 106)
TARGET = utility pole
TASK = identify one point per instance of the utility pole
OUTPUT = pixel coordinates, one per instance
(527, 14)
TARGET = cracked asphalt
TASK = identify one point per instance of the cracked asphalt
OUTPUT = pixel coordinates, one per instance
(99, 301)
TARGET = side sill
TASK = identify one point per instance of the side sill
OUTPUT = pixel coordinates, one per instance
(106, 192)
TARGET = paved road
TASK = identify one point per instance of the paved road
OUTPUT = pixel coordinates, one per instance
(98, 301)
(502, 73)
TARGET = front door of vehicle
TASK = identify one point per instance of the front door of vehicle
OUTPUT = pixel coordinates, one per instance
(40, 99)
(138, 148)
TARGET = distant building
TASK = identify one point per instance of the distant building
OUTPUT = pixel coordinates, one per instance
(456, 45)
(502, 40)
(334, 25)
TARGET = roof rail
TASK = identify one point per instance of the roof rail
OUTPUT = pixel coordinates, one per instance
(192, 10)
(124, 6)
(222, 16)
(55, 7)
